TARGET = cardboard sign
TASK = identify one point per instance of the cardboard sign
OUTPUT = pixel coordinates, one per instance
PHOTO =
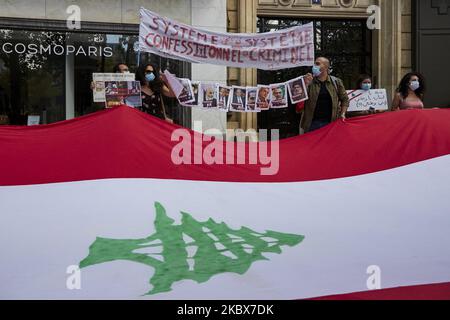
(363, 100)
(33, 120)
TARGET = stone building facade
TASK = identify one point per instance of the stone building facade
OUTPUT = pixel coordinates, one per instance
(392, 53)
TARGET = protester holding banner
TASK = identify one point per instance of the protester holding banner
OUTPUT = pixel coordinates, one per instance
(153, 88)
(328, 99)
(410, 92)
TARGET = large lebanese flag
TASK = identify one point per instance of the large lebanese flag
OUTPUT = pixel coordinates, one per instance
(101, 192)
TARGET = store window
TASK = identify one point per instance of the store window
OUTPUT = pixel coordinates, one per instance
(348, 45)
(31, 83)
(48, 73)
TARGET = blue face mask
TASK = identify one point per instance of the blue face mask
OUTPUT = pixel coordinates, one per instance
(150, 77)
(316, 71)
(414, 85)
(366, 86)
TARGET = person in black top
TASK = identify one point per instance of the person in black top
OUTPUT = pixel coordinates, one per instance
(323, 111)
(328, 100)
(153, 88)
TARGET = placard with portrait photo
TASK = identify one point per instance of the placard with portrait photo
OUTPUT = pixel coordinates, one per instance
(187, 94)
(223, 96)
(263, 97)
(208, 95)
(251, 105)
(297, 90)
(237, 101)
(195, 90)
(278, 96)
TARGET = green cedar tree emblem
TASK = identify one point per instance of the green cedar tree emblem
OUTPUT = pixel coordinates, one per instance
(192, 250)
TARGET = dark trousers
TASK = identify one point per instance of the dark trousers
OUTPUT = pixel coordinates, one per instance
(318, 124)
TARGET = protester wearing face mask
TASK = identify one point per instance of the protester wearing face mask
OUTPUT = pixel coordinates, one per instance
(410, 92)
(153, 88)
(328, 99)
(364, 83)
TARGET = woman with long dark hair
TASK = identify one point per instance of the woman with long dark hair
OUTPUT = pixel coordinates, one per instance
(153, 88)
(410, 92)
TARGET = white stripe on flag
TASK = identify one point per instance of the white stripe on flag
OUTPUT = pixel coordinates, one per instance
(397, 219)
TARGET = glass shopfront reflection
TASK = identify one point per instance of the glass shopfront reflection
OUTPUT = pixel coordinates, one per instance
(48, 73)
(31, 83)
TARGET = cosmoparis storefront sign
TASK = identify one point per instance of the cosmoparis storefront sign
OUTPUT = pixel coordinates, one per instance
(59, 50)
(48, 73)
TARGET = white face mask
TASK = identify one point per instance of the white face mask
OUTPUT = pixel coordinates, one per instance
(366, 86)
(414, 85)
(316, 71)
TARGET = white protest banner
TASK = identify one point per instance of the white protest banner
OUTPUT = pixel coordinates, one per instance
(100, 79)
(288, 48)
(363, 100)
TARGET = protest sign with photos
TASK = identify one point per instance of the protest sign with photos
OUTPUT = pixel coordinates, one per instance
(99, 80)
(123, 92)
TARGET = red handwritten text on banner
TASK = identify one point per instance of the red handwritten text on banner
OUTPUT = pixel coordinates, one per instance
(287, 48)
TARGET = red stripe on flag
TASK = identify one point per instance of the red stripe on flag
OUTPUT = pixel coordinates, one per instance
(424, 292)
(125, 143)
